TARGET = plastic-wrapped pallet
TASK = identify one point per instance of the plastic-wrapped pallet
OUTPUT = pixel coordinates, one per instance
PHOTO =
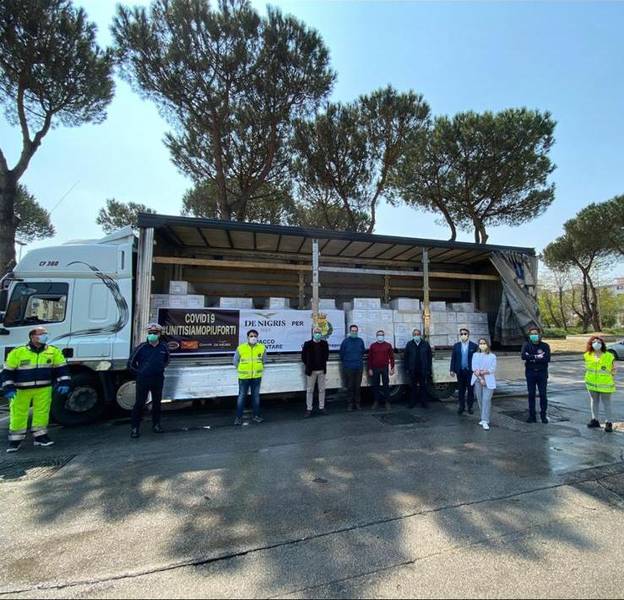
(327, 304)
(437, 306)
(403, 334)
(173, 301)
(371, 321)
(400, 316)
(180, 288)
(405, 304)
(236, 303)
(439, 341)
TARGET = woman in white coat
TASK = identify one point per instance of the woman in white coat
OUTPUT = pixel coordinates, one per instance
(484, 380)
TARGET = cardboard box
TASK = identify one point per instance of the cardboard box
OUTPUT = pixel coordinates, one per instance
(246, 303)
(439, 341)
(278, 303)
(366, 304)
(437, 306)
(406, 304)
(462, 306)
(180, 288)
(327, 304)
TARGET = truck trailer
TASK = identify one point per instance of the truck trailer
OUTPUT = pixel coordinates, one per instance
(96, 298)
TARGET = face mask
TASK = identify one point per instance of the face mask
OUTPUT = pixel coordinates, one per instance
(152, 338)
(597, 346)
(483, 347)
(317, 336)
(534, 338)
(417, 338)
(380, 338)
(353, 334)
(43, 338)
(253, 340)
(463, 337)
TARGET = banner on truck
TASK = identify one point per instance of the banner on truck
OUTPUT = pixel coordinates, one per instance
(200, 330)
(217, 331)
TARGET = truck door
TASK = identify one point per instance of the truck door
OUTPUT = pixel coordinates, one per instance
(33, 303)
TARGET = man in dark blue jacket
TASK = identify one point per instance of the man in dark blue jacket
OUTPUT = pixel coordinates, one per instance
(352, 352)
(418, 364)
(536, 356)
(461, 366)
(148, 363)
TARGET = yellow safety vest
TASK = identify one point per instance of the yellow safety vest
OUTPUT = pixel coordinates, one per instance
(24, 368)
(251, 363)
(598, 373)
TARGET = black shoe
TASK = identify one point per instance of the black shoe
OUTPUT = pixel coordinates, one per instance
(608, 427)
(43, 440)
(424, 405)
(532, 419)
(158, 429)
(594, 424)
(258, 420)
(545, 420)
(323, 412)
(460, 411)
(14, 446)
(470, 411)
(307, 414)
(134, 433)
(238, 421)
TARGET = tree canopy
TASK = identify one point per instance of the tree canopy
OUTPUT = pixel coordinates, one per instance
(116, 215)
(34, 220)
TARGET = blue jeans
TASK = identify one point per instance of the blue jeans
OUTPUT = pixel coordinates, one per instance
(244, 386)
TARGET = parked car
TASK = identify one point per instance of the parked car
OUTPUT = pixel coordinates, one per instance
(617, 348)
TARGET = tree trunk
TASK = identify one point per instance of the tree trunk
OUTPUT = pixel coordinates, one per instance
(564, 320)
(596, 319)
(449, 219)
(551, 311)
(8, 196)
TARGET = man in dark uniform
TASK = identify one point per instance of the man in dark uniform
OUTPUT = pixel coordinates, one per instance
(418, 365)
(148, 363)
(461, 366)
(536, 356)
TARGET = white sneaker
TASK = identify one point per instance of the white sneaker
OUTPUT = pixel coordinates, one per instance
(486, 426)
(481, 423)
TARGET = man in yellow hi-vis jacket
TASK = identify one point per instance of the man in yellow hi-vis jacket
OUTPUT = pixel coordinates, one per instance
(28, 376)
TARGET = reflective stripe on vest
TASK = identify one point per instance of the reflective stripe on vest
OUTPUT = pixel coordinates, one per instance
(598, 376)
(250, 365)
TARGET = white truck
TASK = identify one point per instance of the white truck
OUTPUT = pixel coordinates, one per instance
(94, 297)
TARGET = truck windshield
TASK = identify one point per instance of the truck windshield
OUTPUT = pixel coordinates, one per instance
(36, 303)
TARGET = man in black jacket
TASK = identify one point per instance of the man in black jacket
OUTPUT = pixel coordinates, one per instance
(418, 361)
(536, 356)
(148, 363)
(314, 356)
(461, 366)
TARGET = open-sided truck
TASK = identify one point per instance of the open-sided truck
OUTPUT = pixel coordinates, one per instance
(94, 297)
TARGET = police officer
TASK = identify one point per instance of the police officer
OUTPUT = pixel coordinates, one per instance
(148, 363)
(28, 375)
(536, 355)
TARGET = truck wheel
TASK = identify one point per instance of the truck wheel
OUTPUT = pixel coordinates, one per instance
(444, 390)
(84, 405)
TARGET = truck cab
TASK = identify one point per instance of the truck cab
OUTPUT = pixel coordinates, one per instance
(82, 293)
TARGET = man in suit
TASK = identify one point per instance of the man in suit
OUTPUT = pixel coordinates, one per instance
(418, 365)
(461, 366)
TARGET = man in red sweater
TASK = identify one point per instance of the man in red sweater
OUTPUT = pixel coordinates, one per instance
(380, 366)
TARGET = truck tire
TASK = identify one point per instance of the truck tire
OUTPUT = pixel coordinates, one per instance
(84, 405)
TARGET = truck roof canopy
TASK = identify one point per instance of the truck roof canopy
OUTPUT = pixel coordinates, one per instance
(196, 233)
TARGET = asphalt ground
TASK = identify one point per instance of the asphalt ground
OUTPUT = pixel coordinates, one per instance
(365, 504)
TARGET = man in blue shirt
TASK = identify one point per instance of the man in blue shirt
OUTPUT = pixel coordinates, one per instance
(461, 366)
(352, 352)
(148, 363)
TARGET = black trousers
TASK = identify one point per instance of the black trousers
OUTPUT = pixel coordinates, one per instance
(463, 383)
(418, 391)
(353, 379)
(381, 393)
(537, 380)
(145, 385)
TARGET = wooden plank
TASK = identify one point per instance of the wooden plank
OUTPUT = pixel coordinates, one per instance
(228, 264)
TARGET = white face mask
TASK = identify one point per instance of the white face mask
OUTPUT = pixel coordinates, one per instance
(597, 346)
(380, 338)
(43, 338)
(463, 337)
(483, 347)
(253, 340)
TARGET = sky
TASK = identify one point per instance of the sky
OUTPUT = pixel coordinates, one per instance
(563, 57)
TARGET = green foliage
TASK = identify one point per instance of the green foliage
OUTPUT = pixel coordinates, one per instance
(117, 215)
(270, 204)
(230, 82)
(51, 72)
(347, 153)
(554, 333)
(34, 220)
(481, 170)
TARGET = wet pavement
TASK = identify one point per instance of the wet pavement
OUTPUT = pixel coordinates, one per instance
(399, 504)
